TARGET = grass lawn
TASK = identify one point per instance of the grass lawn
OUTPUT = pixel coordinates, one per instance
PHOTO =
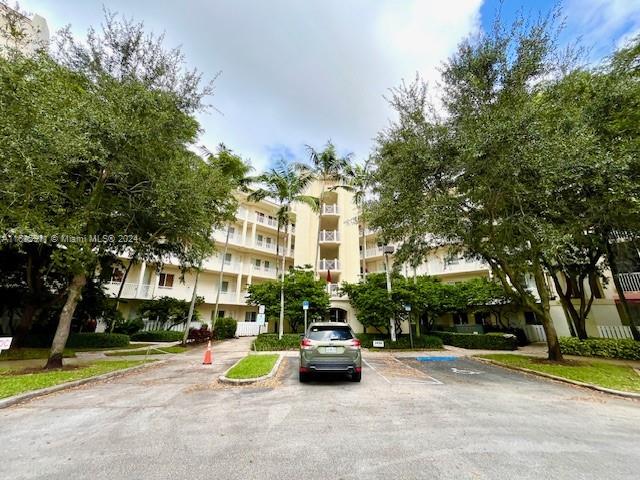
(617, 377)
(31, 353)
(154, 351)
(253, 366)
(12, 383)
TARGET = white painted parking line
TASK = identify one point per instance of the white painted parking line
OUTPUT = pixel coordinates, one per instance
(399, 380)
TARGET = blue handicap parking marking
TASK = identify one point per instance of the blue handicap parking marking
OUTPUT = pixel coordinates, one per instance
(436, 359)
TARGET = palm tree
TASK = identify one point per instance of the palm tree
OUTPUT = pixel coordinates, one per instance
(358, 181)
(326, 167)
(285, 184)
(236, 170)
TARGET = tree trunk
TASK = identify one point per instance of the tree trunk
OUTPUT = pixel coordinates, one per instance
(281, 322)
(277, 248)
(626, 313)
(364, 250)
(573, 317)
(316, 266)
(191, 308)
(553, 345)
(64, 323)
(121, 288)
(224, 255)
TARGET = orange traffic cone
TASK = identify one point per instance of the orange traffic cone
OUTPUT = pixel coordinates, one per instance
(207, 355)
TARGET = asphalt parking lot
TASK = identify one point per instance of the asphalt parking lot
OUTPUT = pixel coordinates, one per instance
(453, 419)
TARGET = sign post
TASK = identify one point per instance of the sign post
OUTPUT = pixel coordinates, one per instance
(5, 343)
(407, 309)
(305, 307)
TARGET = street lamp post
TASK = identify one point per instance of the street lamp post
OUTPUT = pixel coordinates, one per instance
(386, 250)
(407, 308)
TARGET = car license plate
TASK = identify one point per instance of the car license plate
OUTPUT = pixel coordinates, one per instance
(330, 350)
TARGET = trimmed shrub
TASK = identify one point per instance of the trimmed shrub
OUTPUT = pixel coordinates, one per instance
(402, 342)
(158, 336)
(129, 327)
(520, 334)
(199, 335)
(225, 328)
(487, 341)
(269, 341)
(97, 340)
(627, 348)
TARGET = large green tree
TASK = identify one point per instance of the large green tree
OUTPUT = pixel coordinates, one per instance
(299, 285)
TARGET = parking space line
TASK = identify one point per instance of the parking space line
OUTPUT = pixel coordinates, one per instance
(434, 380)
(375, 370)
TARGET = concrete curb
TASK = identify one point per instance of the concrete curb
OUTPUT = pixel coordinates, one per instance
(23, 397)
(245, 381)
(560, 379)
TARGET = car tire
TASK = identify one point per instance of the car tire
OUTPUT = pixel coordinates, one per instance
(303, 377)
(356, 376)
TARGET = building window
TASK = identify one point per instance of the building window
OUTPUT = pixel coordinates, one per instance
(257, 263)
(227, 259)
(220, 314)
(530, 318)
(460, 319)
(117, 275)
(250, 316)
(267, 264)
(225, 287)
(166, 280)
(260, 217)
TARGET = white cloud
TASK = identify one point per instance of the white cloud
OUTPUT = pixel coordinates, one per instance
(296, 72)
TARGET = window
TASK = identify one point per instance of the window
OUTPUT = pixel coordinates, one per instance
(481, 318)
(225, 287)
(166, 280)
(530, 318)
(267, 264)
(232, 230)
(460, 319)
(220, 314)
(117, 275)
(227, 259)
(326, 334)
(257, 263)
(260, 217)
(250, 316)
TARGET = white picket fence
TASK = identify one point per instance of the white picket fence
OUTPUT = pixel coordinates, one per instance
(614, 331)
(250, 329)
(535, 333)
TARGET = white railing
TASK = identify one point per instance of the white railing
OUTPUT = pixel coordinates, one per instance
(630, 281)
(263, 271)
(271, 246)
(250, 329)
(373, 252)
(130, 290)
(329, 236)
(535, 333)
(614, 331)
(367, 231)
(329, 209)
(326, 264)
(290, 251)
(221, 236)
(272, 222)
(334, 290)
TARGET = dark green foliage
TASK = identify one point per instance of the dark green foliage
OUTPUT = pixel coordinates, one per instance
(627, 349)
(129, 327)
(299, 285)
(157, 336)
(171, 311)
(269, 341)
(487, 341)
(97, 340)
(403, 341)
(225, 328)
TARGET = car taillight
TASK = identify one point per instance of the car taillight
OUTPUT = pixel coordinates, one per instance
(355, 343)
(305, 344)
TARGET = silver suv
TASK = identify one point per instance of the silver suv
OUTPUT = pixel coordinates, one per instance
(330, 347)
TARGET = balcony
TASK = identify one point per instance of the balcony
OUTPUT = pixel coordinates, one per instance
(262, 271)
(334, 290)
(630, 281)
(330, 209)
(329, 236)
(241, 213)
(261, 244)
(367, 231)
(374, 251)
(326, 264)
(220, 236)
(262, 220)
(130, 290)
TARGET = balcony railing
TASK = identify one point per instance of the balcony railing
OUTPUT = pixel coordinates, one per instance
(630, 281)
(367, 231)
(326, 264)
(329, 236)
(334, 290)
(374, 252)
(265, 245)
(272, 222)
(130, 290)
(330, 209)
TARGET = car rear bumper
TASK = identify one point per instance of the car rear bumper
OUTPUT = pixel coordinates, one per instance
(330, 367)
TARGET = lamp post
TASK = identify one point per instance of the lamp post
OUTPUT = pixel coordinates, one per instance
(386, 250)
(407, 308)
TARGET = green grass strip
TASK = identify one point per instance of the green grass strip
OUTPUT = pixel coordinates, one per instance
(153, 351)
(16, 383)
(617, 377)
(253, 366)
(31, 353)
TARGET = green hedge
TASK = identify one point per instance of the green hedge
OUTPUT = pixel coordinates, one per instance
(97, 340)
(487, 341)
(269, 341)
(403, 341)
(225, 328)
(158, 336)
(627, 349)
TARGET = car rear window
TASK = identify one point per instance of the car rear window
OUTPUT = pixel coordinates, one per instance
(327, 333)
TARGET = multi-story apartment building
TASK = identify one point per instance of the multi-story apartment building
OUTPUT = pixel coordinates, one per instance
(251, 258)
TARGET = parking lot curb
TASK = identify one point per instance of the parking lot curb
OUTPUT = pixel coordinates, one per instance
(591, 386)
(245, 381)
(23, 397)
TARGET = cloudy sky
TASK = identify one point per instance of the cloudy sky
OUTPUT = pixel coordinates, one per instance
(296, 72)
